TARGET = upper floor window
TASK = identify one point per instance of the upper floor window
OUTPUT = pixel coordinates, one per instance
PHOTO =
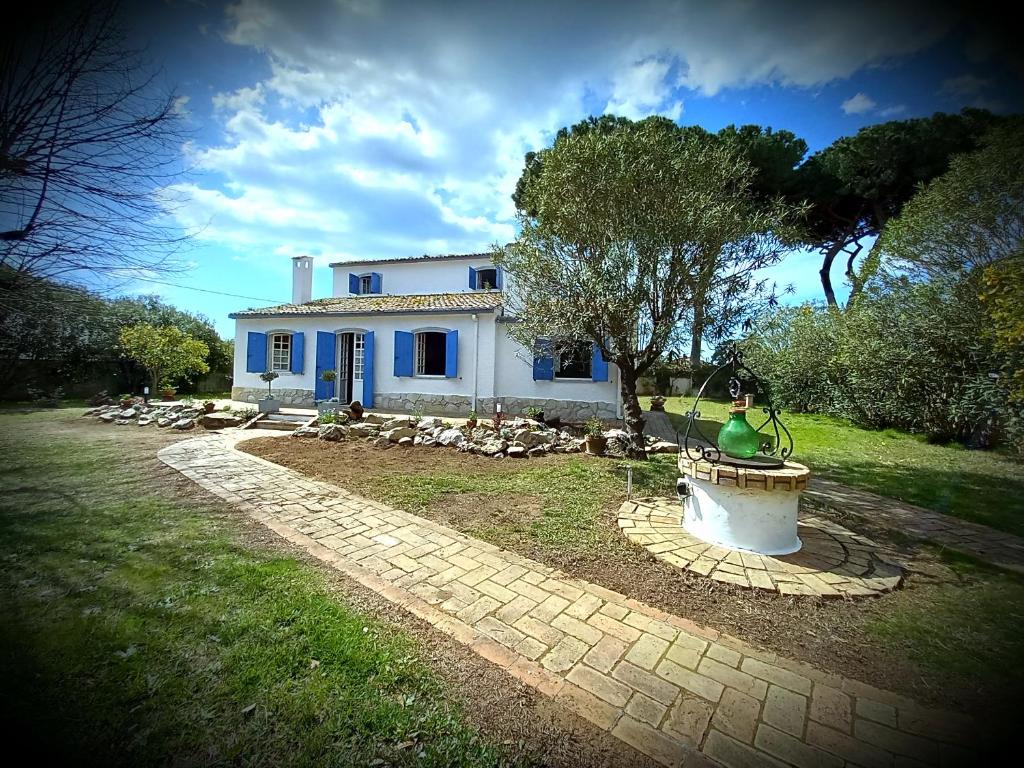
(484, 278)
(574, 362)
(280, 351)
(370, 283)
(431, 353)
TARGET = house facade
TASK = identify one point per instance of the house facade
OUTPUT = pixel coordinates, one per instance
(427, 334)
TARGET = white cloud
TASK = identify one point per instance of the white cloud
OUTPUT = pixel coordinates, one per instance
(397, 128)
(895, 109)
(858, 104)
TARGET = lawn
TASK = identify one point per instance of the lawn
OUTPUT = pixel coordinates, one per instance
(982, 486)
(141, 628)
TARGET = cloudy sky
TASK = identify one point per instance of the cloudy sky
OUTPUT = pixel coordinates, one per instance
(350, 129)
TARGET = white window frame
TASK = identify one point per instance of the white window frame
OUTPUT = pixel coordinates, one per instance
(275, 351)
(358, 355)
(419, 353)
(365, 284)
(558, 366)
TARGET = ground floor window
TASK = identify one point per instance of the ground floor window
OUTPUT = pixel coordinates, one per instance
(573, 362)
(430, 353)
(280, 351)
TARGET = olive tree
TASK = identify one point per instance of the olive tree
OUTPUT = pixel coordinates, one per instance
(166, 353)
(619, 221)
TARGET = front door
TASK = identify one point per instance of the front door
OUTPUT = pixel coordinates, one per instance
(351, 365)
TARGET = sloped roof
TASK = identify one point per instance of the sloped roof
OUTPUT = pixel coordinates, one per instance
(404, 259)
(425, 303)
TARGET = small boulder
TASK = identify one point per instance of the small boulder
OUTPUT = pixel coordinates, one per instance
(396, 434)
(493, 446)
(405, 442)
(306, 432)
(451, 437)
(516, 452)
(536, 451)
(428, 442)
(163, 421)
(122, 422)
(382, 442)
(373, 418)
(528, 439)
(428, 422)
(144, 421)
(127, 413)
(363, 430)
(401, 421)
(107, 417)
(185, 423)
(219, 420)
(332, 432)
(663, 446)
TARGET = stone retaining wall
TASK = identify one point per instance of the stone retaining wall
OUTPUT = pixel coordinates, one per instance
(444, 405)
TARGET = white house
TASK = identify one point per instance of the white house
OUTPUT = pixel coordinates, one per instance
(424, 334)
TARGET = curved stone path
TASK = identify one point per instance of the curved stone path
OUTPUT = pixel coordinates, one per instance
(680, 693)
(832, 563)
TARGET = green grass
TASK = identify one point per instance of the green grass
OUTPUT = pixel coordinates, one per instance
(572, 494)
(982, 486)
(140, 629)
(968, 628)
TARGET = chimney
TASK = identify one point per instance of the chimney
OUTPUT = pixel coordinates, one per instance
(302, 279)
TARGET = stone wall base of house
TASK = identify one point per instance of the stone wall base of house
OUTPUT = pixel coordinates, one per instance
(444, 405)
(460, 405)
(293, 398)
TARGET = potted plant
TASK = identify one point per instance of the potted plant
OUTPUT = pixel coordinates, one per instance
(471, 421)
(167, 392)
(269, 404)
(595, 440)
(535, 413)
(209, 406)
(658, 403)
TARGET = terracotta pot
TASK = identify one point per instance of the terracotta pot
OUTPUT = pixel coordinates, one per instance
(209, 407)
(596, 445)
(471, 423)
(167, 394)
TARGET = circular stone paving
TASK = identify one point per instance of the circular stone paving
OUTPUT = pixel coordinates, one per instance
(833, 562)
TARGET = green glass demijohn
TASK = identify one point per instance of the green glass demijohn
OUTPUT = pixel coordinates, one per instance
(737, 438)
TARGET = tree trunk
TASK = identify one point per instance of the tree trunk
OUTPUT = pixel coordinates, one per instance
(697, 333)
(826, 272)
(633, 415)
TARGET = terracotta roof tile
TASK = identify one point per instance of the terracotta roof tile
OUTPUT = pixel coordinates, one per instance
(425, 257)
(484, 301)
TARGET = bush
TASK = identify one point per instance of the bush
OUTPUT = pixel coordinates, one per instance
(908, 355)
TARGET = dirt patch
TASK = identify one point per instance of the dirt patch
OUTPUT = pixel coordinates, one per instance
(828, 634)
(507, 712)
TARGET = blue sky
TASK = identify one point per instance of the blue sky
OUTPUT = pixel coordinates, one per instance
(350, 129)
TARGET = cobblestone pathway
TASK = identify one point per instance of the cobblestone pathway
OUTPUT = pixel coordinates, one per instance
(680, 693)
(996, 547)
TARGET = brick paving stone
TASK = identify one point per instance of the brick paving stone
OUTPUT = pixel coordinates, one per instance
(646, 709)
(605, 653)
(737, 715)
(600, 685)
(565, 654)
(831, 707)
(785, 710)
(647, 651)
(657, 681)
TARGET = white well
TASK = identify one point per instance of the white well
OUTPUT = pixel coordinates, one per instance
(742, 518)
(752, 508)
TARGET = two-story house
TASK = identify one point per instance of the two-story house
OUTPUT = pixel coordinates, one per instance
(425, 334)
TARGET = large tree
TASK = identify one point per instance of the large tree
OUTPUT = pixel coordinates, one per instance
(165, 352)
(856, 185)
(87, 142)
(618, 223)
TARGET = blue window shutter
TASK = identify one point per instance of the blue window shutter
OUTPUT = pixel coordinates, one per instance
(403, 353)
(256, 353)
(375, 282)
(598, 365)
(498, 278)
(298, 351)
(472, 278)
(451, 354)
(325, 353)
(353, 283)
(368, 369)
(543, 361)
